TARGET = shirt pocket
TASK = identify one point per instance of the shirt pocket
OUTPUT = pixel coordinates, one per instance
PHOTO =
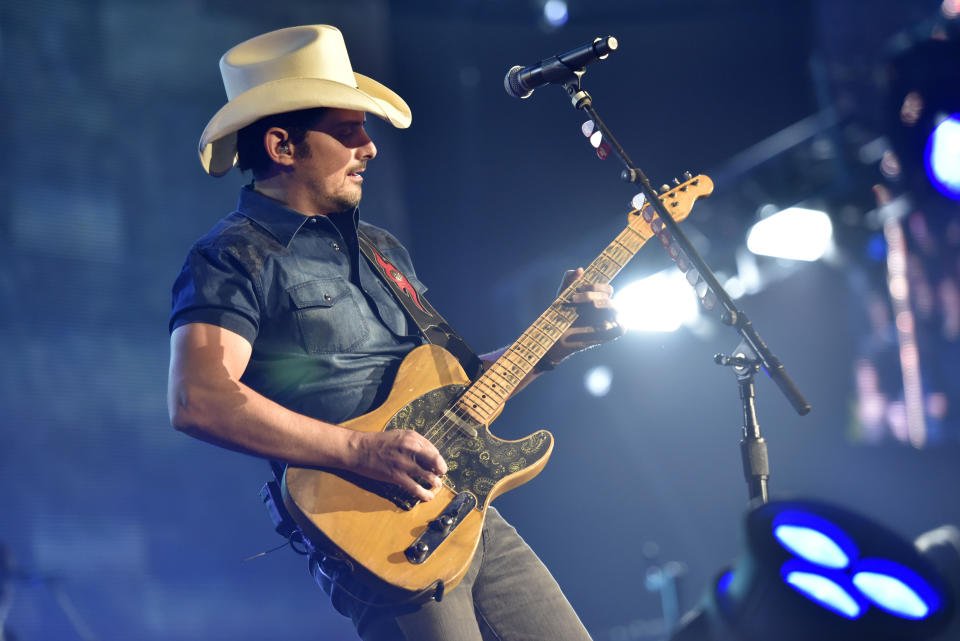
(328, 316)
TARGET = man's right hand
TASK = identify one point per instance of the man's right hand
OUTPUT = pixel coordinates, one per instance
(402, 457)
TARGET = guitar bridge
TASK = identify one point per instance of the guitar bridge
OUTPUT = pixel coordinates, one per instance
(441, 527)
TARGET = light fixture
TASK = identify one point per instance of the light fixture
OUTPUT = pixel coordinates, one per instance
(816, 571)
(795, 233)
(658, 303)
(941, 157)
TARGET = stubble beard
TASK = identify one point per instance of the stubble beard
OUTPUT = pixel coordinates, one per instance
(347, 202)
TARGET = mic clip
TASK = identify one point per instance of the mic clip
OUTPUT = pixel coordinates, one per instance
(578, 97)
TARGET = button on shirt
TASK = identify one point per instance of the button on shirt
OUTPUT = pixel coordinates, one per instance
(326, 332)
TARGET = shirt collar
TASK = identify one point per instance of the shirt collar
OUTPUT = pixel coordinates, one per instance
(282, 222)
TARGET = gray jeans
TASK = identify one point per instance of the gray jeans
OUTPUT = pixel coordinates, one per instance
(507, 595)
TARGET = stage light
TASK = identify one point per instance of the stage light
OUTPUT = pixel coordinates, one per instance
(922, 112)
(794, 233)
(895, 588)
(815, 571)
(555, 13)
(814, 539)
(834, 592)
(659, 303)
(598, 380)
(941, 157)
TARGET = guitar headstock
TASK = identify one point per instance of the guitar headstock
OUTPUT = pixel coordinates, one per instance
(678, 201)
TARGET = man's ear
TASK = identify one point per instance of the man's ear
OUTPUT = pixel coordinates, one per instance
(277, 144)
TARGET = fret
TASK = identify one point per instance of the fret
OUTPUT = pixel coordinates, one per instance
(539, 341)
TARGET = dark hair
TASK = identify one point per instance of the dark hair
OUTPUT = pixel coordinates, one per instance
(250, 152)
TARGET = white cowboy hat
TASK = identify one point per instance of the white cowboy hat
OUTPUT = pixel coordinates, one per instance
(287, 70)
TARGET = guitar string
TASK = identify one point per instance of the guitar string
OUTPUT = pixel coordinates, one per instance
(445, 432)
(444, 427)
(439, 433)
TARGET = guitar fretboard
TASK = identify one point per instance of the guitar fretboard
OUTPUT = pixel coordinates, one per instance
(484, 399)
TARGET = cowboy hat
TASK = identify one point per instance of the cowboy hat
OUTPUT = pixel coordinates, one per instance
(287, 70)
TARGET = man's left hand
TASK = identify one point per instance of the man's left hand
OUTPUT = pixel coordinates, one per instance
(597, 322)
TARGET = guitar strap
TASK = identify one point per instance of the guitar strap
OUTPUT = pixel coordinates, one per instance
(431, 324)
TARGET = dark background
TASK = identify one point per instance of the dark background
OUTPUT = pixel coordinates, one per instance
(143, 530)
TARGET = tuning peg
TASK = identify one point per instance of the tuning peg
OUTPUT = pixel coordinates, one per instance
(664, 188)
(676, 181)
(687, 175)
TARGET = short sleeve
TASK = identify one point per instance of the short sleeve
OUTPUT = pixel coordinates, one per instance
(214, 287)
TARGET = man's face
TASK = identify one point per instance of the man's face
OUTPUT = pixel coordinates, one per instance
(337, 150)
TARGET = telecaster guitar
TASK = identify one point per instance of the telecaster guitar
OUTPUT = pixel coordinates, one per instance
(427, 547)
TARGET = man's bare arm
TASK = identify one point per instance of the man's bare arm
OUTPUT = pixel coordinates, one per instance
(207, 400)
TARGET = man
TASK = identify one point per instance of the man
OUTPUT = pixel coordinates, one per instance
(281, 329)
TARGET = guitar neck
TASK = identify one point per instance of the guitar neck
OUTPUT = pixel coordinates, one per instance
(485, 398)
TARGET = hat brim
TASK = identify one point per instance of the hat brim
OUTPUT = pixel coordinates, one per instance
(218, 143)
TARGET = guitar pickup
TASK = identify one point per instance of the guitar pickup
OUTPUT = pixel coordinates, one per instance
(462, 423)
(440, 528)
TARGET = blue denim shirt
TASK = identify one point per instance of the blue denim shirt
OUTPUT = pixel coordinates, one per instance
(326, 332)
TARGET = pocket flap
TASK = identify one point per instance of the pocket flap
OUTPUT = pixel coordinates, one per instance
(318, 293)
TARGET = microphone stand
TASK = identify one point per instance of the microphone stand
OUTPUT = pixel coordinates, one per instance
(751, 341)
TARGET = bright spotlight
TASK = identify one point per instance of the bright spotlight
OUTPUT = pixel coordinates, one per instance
(555, 12)
(794, 233)
(942, 157)
(659, 303)
(598, 380)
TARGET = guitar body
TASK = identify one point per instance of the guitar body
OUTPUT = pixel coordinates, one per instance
(372, 524)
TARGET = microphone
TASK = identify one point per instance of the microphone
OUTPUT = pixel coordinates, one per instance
(521, 81)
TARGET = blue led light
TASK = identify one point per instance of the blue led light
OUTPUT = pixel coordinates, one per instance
(814, 539)
(724, 583)
(555, 12)
(895, 588)
(831, 590)
(942, 157)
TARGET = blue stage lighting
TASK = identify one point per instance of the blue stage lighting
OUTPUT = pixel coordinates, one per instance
(815, 571)
(832, 590)
(724, 583)
(555, 12)
(941, 157)
(895, 588)
(814, 539)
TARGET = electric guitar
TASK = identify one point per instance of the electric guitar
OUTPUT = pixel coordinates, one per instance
(414, 548)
